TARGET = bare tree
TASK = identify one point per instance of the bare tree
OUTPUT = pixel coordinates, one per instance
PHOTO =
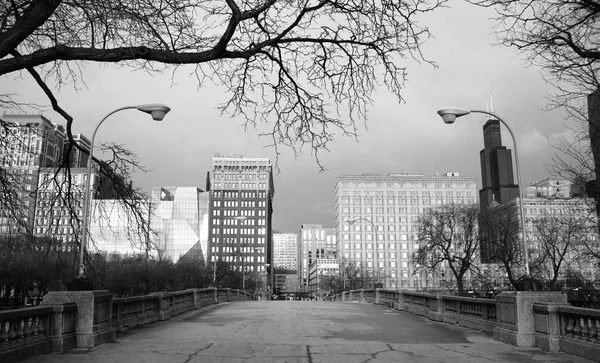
(288, 64)
(355, 275)
(500, 241)
(281, 62)
(449, 236)
(560, 240)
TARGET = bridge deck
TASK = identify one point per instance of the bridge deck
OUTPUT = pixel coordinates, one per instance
(303, 331)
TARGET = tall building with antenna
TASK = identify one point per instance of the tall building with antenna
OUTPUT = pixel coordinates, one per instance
(496, 166)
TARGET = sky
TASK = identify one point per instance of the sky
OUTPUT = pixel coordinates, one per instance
(407, 137)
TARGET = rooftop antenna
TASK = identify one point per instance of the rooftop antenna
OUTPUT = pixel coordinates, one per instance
(489, 107)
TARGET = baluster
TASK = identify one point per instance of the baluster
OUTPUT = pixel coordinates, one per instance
(577, 329)
(34, 325)
(584, 329)
(3, 331)
(41, 328)
(12, 334)
(570, 327)
(593, 334)
(19, 328)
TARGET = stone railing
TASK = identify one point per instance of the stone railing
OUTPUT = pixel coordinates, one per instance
(32, 331)
(84, 319)
(524, 318)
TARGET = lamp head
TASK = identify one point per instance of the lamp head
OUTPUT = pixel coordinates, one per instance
(351, 221)
(156, 110)
(450, 114)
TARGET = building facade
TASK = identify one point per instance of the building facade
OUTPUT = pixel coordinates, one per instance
(316, 242)
(550, 188)
(392, 203)
(28, 143)
(241, 209)
(318, 272)
(285, 250)
(179, 220)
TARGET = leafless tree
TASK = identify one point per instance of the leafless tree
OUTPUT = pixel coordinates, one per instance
(560, 241)
(293, 65)
(281, 62)
(356, 275)
(449, 235)
(501, 243)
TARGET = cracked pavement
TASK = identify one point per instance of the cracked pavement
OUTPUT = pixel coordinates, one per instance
(304, 332)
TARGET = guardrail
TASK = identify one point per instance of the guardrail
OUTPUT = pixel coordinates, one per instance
(522, 318)
(83, 319)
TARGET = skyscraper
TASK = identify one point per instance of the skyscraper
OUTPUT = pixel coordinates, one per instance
(393, 203)
(241, 211)
(285, 250)
(496, 168)
(316, 242)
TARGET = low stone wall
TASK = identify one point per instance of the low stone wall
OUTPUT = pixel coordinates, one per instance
(541, 319)
(84, 319)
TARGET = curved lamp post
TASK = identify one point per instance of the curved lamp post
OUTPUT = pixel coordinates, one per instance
(351, 222)
(158, 112)
(449, 115)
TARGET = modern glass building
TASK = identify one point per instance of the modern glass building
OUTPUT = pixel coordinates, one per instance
(179, 222)
(115, 229)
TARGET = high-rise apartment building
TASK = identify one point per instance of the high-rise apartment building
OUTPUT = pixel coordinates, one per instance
(27, 144)
(496, 168)
(241, 208)
(285, 250)
(316, 242)
(393, 203)
(180, 222)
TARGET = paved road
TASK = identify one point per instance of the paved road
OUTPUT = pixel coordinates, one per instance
(303, 331)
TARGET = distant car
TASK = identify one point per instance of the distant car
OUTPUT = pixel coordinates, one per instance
(471, 293)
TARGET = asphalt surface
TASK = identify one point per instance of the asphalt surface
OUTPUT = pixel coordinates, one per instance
(303, 331)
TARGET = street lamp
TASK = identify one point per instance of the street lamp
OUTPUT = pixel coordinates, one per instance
(158, 112)
(449, 115)
(351, 222)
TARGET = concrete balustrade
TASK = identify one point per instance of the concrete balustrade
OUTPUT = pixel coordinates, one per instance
(540, 319)
(84, 319)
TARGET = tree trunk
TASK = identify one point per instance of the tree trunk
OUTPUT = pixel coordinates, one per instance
(594, 128)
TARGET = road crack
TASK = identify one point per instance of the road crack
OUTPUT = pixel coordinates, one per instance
(196, 353)
(309, 354)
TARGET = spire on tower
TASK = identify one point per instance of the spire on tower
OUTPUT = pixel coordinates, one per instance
(489, 107)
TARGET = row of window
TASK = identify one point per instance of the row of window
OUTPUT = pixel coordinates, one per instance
(236, 185)
(238, 177)
(237, 204)
(414, 197)
(405, 185)
(380, 246)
